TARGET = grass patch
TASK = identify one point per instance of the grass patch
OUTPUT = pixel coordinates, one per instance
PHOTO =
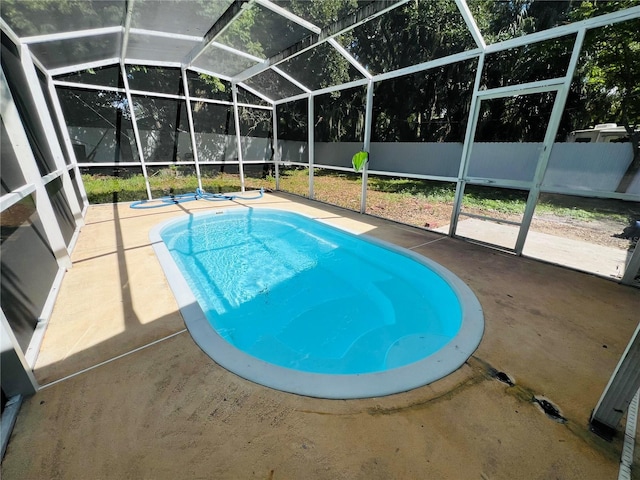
(406, 187)
(108, 189)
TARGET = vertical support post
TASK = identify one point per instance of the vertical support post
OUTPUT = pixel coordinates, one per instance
(472, 122)
(368, 119)
(236, 118)
(136, 133)
(550, 135)
(67, 139)
(311, 147)
(127, 29)
(276, 149)
(192, 130)
(619, 392)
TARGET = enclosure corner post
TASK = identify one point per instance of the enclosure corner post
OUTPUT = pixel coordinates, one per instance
(234, 94)
(276, 150)
(619, 392)
(472, 122)
(311, 148)
(192, 130)
(368, 119)
(134, 123)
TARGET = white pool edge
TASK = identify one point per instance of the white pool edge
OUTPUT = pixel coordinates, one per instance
(333, 386)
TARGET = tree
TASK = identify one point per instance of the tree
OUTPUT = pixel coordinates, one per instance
(607, 78)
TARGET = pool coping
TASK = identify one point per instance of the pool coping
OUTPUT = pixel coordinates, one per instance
(331, 386)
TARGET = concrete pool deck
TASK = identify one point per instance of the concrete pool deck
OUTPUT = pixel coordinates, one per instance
(155, 406)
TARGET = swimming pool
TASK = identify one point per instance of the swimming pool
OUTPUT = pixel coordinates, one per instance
(298, 305)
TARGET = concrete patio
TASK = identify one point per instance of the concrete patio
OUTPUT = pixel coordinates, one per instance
(128, 394)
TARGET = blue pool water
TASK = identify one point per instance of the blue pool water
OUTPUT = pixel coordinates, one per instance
(301, 295)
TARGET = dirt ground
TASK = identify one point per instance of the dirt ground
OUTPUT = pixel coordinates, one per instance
(605, 230)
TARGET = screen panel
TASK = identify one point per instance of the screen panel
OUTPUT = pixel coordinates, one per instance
(273, 85)
(61, 209)
(528, 63)
(202, 85)
(157, 48)
(155, 79)
(164, 129)
(99, 125)
(408, 35)
(27, 108)
(499, 21)
(322, 66)
(28, 18)
(214, 129)
(262, 32)
(108, 76)
(77, 51)
(28, 268)
(222, 62)
(186, 17)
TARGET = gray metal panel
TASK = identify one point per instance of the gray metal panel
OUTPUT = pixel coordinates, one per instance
(589, 166)
(506, 161)
(336, 154)
(215, 147)
(438, 159)
(256, 148)
(28, 269)
(147, 47)
(293, 151)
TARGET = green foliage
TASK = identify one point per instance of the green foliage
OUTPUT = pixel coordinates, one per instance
(238, 34)
(40, 17)
(214, 83)
(324, 12)
(609, 73)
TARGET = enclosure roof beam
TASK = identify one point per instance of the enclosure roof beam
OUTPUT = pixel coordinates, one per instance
(342, 51)
(209, 72)
(87, 86)
(288, 15)
(428, 65)
(256, 93)
(357, 18)
(84, 66)
(157, 33)
(439, 62)
(9, 32)
(230, 14)
(151, 63)
(288, 77)
(127, 29)
(52, 37)
(471, 23)
(237, 52)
